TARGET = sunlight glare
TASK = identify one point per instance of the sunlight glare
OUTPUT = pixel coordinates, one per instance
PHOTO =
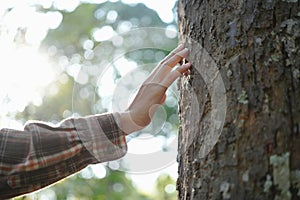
(35, 23)
(66, 4)
(104, 33)
(24, 72)
(99, 171)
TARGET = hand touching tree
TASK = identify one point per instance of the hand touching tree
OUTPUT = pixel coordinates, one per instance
(152, 92)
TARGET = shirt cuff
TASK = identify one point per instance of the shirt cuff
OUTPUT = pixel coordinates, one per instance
(101, 136)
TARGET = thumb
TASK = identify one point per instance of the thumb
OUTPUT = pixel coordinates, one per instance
(163, 99)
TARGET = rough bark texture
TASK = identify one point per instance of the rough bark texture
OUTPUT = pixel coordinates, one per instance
(256, 46)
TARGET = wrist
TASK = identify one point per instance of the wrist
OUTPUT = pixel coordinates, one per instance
(126, 123)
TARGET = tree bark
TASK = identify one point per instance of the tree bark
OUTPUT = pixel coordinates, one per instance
(255, 45)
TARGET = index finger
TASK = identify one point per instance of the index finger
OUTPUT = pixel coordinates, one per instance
(176, 58)
(174, 52)
(166, 65)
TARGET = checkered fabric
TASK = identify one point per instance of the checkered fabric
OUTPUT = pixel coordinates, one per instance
(43, 154)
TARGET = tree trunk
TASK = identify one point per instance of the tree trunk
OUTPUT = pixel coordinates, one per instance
(247, 51)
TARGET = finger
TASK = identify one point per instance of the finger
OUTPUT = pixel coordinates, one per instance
(161, 70)
(174, 52)
(188, 72)
(175, 74)
(175, 59)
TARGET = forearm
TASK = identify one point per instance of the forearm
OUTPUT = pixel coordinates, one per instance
(28, 181)
(42, 154)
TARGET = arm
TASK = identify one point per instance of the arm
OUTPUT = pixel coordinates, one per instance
(42, 154)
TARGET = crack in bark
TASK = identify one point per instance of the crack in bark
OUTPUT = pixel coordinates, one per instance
(254, 68)
(290, 90)
(274, 18)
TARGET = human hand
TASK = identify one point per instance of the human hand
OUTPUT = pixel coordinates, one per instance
(152, 92)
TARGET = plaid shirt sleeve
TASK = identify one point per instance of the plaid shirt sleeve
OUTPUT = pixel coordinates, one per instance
(42, 154)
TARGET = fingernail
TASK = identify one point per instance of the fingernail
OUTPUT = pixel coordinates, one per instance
(185, 50)
(180, 45)
(187, 64)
